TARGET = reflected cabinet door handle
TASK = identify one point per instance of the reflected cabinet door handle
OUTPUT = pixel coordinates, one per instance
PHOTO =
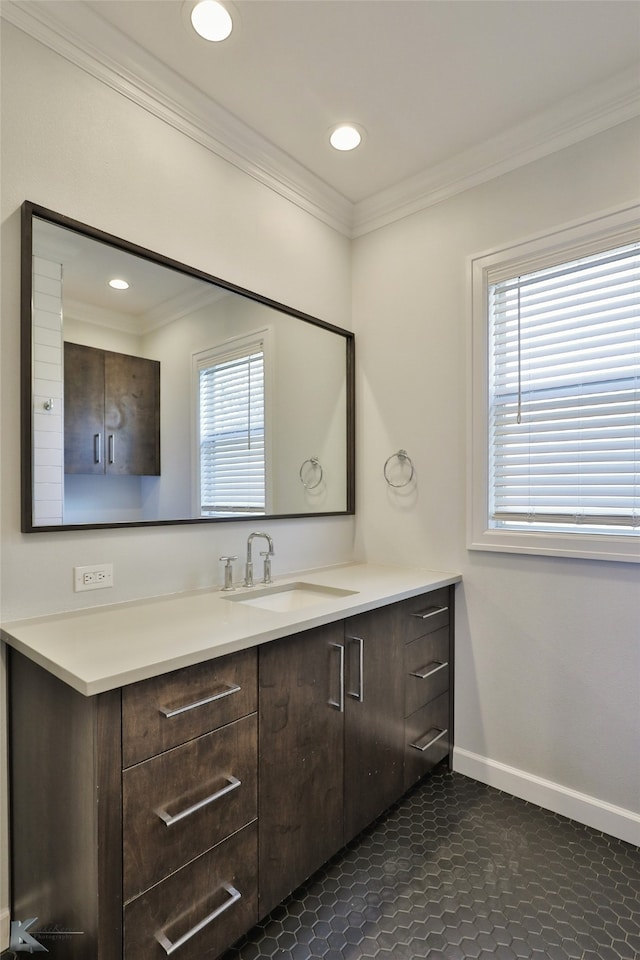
(112, 448)
(169, 947)
(168, 712)
(97, 448)
(232, 784)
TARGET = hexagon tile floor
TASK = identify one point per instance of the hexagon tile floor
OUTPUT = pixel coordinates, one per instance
(460, 870)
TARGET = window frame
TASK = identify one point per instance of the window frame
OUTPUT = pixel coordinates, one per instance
(568, 243)
(209, 357)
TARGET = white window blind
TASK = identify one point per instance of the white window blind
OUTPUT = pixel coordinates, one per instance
(232, 447)
(564, 431)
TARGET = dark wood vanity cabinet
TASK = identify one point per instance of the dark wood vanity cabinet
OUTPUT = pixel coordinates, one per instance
(300, 758)
(111, 413)
(133, 824)
(166, 817)
(374, 700)
(343, 732)
(428, 670)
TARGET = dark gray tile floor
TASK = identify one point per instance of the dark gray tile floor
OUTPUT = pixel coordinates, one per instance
(460, 870)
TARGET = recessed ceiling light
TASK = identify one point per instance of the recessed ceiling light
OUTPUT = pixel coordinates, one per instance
(118, 284)
(345, 137)
(211, 20)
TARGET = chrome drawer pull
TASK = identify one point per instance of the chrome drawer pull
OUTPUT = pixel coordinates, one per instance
(439, 735)
(430, 612)
(231, 688)
(232, 784)
(169, 947)
(359, 693)
(430, 669)
(339, 703)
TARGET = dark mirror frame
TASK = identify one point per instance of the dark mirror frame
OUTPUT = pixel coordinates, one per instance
(31, 210)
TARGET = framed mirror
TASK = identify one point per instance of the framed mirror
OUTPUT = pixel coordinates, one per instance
(153, 393)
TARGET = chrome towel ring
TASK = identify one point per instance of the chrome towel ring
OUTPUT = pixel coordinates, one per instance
(404, 460)
(315, 471)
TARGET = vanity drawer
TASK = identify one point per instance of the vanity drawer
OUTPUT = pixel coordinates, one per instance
(426, 669)
(427, 739)
(186, 800)
(425, 613)
(201, 909)
(165, 711)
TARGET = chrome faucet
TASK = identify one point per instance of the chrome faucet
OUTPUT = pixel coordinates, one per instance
(248, 574)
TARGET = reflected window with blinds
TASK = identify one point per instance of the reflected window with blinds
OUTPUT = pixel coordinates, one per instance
(564, 396)
(232, 431)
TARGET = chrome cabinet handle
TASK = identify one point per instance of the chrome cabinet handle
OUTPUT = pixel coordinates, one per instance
(97, 448)
(232, 784)
(359, 694)
(168, 712)
(430, 669)
(339, 703)
(429, 612)
(112, 448)
(439, 734)
(169, 947)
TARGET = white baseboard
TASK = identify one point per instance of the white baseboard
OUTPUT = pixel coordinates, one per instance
(602, 816)
(5, 928)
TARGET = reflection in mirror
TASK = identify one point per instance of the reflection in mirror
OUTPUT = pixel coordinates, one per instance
(171, 396)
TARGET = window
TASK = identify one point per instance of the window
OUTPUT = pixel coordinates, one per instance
(561, 399)
(231, 424)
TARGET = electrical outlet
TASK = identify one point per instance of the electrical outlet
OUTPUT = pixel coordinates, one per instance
(95, 577)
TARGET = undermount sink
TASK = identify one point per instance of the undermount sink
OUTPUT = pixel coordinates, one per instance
(290, 596)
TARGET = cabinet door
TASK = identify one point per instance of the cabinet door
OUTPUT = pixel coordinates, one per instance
(132, 415)
(301, 758)
(374, 716)
(83, 409)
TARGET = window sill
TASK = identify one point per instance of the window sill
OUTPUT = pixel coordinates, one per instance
(625, 549)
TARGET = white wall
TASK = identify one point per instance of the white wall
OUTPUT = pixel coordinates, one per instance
(72, 144)
(548, 650)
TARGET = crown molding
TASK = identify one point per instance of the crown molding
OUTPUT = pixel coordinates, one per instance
(571, 120)
(129, 70)
(141, 78)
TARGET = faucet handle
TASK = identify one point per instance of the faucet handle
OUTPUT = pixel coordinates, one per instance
(267, 554)
(228, 573)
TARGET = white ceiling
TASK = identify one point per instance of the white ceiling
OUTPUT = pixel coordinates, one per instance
(449, 91)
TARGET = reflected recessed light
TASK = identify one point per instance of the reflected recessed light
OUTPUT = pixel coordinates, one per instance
(211, 20)
(118, 284)
(345, 137)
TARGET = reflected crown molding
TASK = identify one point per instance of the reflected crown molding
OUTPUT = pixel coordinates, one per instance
(160, 315)
(73, 33)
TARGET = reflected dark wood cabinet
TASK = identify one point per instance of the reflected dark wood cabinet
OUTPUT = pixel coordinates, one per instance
(111, 413)
(166, 817)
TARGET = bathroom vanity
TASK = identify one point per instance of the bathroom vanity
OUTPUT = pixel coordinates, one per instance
(180, 765)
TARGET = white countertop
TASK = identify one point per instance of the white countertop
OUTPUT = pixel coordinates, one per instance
(106, 647)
